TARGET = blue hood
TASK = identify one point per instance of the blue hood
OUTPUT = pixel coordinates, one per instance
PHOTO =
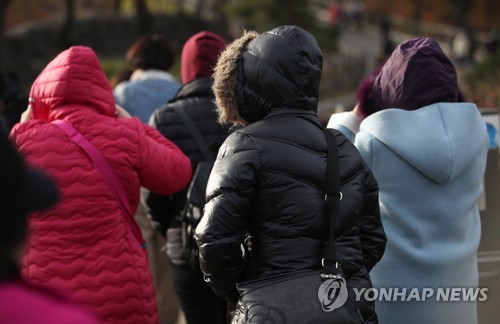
(451, 135)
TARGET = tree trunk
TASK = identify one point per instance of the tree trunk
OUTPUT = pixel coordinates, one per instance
(4, 4)
(178, 6)
(198, 9)
(219, 13)
(69, 22)
(460, 9)
(117, 6)
(417, 15)
(143, 16)
(491, 6)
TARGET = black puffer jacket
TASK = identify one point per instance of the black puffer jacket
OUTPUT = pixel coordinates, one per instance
(268, 183)
(196, 98)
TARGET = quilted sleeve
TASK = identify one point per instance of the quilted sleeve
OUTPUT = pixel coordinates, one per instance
(164, 169)
(230, 195)
(373, 239)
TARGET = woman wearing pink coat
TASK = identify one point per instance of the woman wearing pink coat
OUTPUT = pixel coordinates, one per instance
(86, 244)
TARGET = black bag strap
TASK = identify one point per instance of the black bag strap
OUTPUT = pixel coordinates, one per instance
(333, 197)
(195, 132)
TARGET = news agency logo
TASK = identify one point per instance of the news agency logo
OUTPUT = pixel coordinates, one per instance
(332, 293)
(422, 294)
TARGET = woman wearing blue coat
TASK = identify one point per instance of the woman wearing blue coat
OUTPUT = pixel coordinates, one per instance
(427, 150)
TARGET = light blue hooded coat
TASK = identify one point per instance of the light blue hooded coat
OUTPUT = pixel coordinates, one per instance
(429, 164)
(146, 91)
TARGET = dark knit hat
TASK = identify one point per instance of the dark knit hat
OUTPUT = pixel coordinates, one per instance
(200, 54)
(417, 74)
(22, 190)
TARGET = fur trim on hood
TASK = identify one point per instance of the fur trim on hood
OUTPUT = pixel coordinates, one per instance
(268, 73)
(225, 80)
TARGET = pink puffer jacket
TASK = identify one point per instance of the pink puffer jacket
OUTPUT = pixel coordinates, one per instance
(25, 303)
(85, 244)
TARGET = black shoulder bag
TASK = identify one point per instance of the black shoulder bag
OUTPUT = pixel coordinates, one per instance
(193, 210)
(307, 296)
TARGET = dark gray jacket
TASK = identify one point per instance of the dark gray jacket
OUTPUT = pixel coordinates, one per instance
(196, 98)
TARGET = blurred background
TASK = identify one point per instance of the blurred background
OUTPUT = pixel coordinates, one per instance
(355, 35)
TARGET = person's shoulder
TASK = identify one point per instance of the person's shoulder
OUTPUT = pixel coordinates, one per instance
(239, 137)
(351, 161)
(116, 130)
(162, 115)
(158, 78)
(129, 124)
(341, 139)
(121, 90)
(122, 86)
(175, 83)
(44, 305)
(198, 107)
(25, 129)
(344, 146)
(165, 109)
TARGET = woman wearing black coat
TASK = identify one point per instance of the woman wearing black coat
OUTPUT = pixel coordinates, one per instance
(267, 187)
(196, 99)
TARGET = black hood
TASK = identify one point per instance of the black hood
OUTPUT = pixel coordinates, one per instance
(280, 68)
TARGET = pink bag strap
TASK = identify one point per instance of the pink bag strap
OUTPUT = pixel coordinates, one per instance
(107, 172)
